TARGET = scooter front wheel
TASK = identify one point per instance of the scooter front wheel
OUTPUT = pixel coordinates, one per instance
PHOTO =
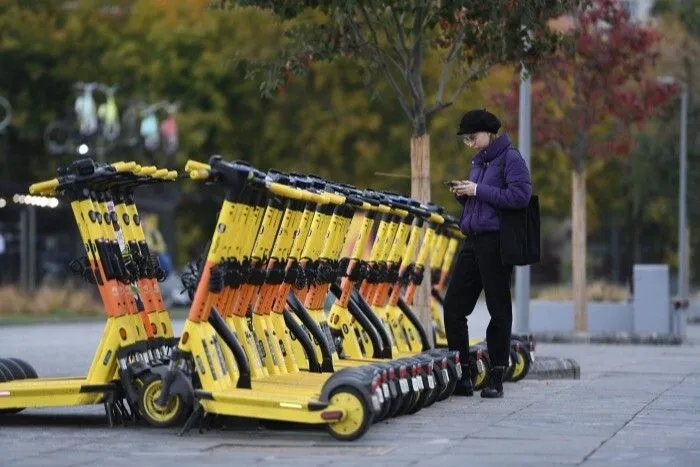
(27, 369)
(161, 416)
(358, 416)
(12, 369)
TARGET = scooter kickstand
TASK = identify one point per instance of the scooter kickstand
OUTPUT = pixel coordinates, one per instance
(108, 412)
(197, 415)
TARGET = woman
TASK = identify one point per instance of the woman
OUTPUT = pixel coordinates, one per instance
(499, 178)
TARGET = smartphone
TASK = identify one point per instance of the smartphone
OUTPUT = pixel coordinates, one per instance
(451, 183)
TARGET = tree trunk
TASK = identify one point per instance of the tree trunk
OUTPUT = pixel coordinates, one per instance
(420, 190)
(578, 248)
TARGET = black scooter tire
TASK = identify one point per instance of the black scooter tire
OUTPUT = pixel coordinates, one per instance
(14, 367)
(29, 371)
(7, 374)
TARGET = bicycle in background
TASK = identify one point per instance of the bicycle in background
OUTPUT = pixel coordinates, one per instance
(108, 112)
(60, 135)
(74, 133)
(86, 109)
(156, 134)
(98, 129)
(168, 129)
(150, 127)
(5, 113)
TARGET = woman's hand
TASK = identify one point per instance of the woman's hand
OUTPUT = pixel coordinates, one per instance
(463, 188)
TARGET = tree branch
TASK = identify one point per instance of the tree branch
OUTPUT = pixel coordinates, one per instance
(439, 105)
(397, 47)
(375, 50)
(418, 34)
(399, 27)
(415, 63)
(446, 64)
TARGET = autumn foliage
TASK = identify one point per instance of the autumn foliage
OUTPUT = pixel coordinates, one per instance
(587, 96)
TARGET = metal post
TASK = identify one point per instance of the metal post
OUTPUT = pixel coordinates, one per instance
(31, 270)
(682, 200)
(23, 249)
(522, 273)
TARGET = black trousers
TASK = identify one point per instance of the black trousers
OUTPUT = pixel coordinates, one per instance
(478, 268)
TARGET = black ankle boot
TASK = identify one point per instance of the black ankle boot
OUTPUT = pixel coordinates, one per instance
(494, 383)
(464, 385)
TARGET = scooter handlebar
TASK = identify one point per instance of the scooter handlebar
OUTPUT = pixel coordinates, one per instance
(354, 200)
(193, 165)
(399, 211)
(125, 166)
(201, 174)
(450, 219)
(148, 170)
(44, 187)
(286, 191)
(335, 198)
(437, 218)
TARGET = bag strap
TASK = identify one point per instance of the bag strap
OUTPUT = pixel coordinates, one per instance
(505, 161)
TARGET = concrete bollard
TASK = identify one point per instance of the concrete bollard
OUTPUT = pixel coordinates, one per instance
(652, 300)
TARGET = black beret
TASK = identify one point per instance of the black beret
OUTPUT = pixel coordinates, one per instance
(478, 120)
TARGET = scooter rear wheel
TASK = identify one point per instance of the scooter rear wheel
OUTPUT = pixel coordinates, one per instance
(409, 403)
(449, 389)
(384, 411)
(479, 378)
(521, 367)
(508, 376)
(358, 416)
(156, 415)
(395, 405)
(432, 397)
(425, 395)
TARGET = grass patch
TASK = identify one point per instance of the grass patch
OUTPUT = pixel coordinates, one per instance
(53, 304)
(47, 301)
(598, 291)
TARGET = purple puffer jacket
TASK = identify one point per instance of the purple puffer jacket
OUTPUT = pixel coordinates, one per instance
(493, 190)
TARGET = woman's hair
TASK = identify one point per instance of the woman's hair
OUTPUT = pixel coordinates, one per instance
(478, 120)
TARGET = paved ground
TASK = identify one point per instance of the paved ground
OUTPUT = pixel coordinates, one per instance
(634, 406)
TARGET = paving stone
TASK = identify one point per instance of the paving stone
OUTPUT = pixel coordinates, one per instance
(633, 405)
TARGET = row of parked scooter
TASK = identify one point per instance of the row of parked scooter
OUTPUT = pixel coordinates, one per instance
(260, 340)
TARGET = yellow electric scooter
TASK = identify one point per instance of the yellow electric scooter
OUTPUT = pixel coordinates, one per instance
(211, 354)
(385, 264)
(111, 379)
(353, 333)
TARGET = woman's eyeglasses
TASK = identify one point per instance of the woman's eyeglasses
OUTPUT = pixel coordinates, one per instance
(469, 139)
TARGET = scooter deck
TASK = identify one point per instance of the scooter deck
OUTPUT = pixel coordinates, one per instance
(51, 392)
(302, 378)
(264, 404)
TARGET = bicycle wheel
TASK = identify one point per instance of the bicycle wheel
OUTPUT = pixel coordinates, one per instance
(110, 131)
(130, 127)
(57, 137)
(5, 113)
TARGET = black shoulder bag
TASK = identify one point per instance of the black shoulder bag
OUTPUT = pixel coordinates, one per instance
(520, 232)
